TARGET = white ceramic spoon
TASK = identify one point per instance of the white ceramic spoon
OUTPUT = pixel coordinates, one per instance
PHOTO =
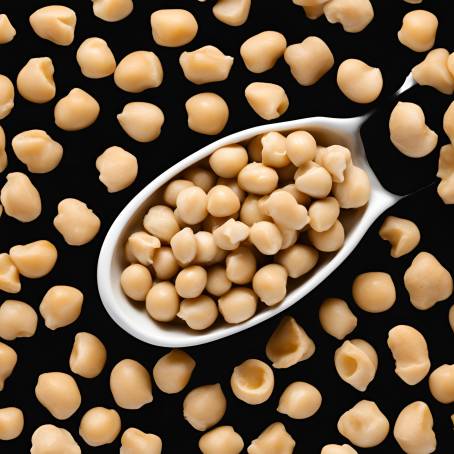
(133, 318)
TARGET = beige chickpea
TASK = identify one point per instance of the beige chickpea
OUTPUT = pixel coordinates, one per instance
(445, 188)
(441, 383)
(232, 12)
(35, 80)
(17, 319)
(207, 250)
(207, 113)
(191, 281)
(330, 240)
(335, 159)
(409, 132)
(230, 234)
(37, 150)
(6, 96)
(76, 222)
(165, 264)
(286, 211)
(272, 440)
(298, 259)
(204, 406)
(160, 221)
(336, 318)
(7, 31)
(134, 441)
(95, 58)
(261, 51)
(274, 152)
(20, 199)
(323, 214)
(192, 205)
(11, 423)
(353, 15)
(3, 155)
(112, 10)
(139, 71)
(402, 234)
(374, 292)
(141, 247)
(238, 305)
(142, 121)
(354, 191)
(364, 425)
(254, 148)
(222, 201)
(266, 237)
(240, 265)
(49, 439)
(162, 301)
(217, 282)
(300, 147)
(99, 426)
(314, 180)
(59, 394)
(427, 281)
(232, 183)
(35, 259)
(222, 440)
(418, 31)
(77, 110)
(250, 212)
(55, 23)
(172, 190)
(206, 64)
(338, 449)
(173, 371)
(88, 355)
(300, 400)
(136, 281)
(269, 101)
(289, 344)
(356, 363)
(200, 177)
(413, 429)
(8, 360)
(309, 60)
(130, 384)
(173, 27)
(9, 275)
(256, 178)
(184, 246)
(227, 161)
(198, 313)
(410, 352)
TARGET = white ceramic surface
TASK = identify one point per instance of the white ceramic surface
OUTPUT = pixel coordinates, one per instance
(133, 318)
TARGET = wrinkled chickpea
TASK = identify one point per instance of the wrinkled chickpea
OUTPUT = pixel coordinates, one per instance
(199, 313)
(268, 101)
(50, 439)
(112, 10)
(418, 31)
(336, 318)
(7, 31)
(232, 12)
(173, 27)
(207, 113)
(88, 355)
(134, 441)
(11, 423)
(222, 440)
(300, 400)
(353, 15)
(173, 371)
(17, 319)
(35, 80)
(142, 121)
(99, 426)
(95, 58)
(374, 292)
(34, 260)
(8, 360)
(6, 96)
(402, 234)
(273, 439)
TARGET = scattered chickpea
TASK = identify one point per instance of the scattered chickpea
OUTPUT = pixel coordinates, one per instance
(11, 423)
(402, 234)
(35, 259)
(9, 275)
(419, 28)
(8, 361)
(336, 318)
(374, 292)
(207, 113)
(7, 31)
(99, 426)
(6, 96)
(17, 319)
(88, 355)
(273, 439)
(112, 10)
(134, 441)
(353, 15)
(173, 371)
(338, 449)
(232, 12)
(35, 80)
(441, 383)
(142, 121)
(269, 101)
(95, 58)
(52, 439)
(445, 188)
(222, 440)
(3, 155)
(173, 27)
(300, 400)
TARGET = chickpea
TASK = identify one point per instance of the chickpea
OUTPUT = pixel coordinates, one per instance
(445, 188)
(142, 121)
(207, 250)
(232, 12)
(441, 383)
(228, 161)
(49, 439)
(354, 191)
(338, 449)
(323, 214)
(238, 305)
(184, 246)
(8, 360)
(162, 301)
(222, 201)
(240, 266)
(419, 28)
(165, 264)
(3, 155)
(9, 275)
(403, 235)
(134, 441)
(289, 344)
(274, 152)
(136, 281)
(230, 234)
(427, 281)
(99, 426)
(297, 259)
(204, 406)
(218, 283)
(59, 394)
(374, 292)
(95, 58)
(207, 113)
(353, 15)
(191, 281)
(222, 440)
(269, 101)
(285, 211)
(336, 318)
(88, 355)
(139, 71)
(55, 23)
(266, 237)
(173, 371)
(20, 199)
(199, 313)
(200, 177)
(206, 64)
(300, 400)
(330, 240)
(309, 60)
(261, 51)
(11, 423)
(313, 11)
(335, 159)
(300, 147)
(6, 96)
(112, 10)
(192, 205)
(313, 180)
(7, 31)
(17, 319)
(160, 221)
(448, 121)
(173, 27)
(250, 212)
(35, 80)
(35, 259)
(256, 178)
(273, 439)
(172, 190)
(37, 150)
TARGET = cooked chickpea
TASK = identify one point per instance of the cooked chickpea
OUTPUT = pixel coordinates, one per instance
(173, 371)
(427, 281)
(336, 318)
(205, 65)
(274, 152)
(136, 281)
(419, 28)
(240, 265)
(323, 214)
(17, 319)
(266, 237)
(139, 71)
(314, 180)
(20, 199)
(230, 234)
(217, 282)
(374, 292)
(207, 113)
(410, 352)
(445, 188)
(232, 12)
(228, 161)
(172, 190)
(199, 313)
(7, 31)
(286, 211)
(221, 201)
(192, 205)
(207, 250)
(330, 240)
(160, 221)
(162, 301)
(191, 281)
(99, 426)
(59, 394)
(309, 60)
(76, 222)
(6, 96)
(11, 423)
(273, 439)
(173, 27)
(289, 344)
(95, 58)
(134, 441)
(313, 11)
(165, 264)
(338, 449)
(402, 234)
(203, 178)
(300, 400)
(335, 159)
(222, 440)
(35, 80)
(112, 10)
(37, 150)
(55, 23)
(8, 360)
(268, 100)
(261, 51)
(300, 147)
(142, 121)
(353, 15)
(88, 355)
(35, 259)
(49, 439)
(354, 191)
(9, 275)
(184, 246)
(409, 132)
(238, 305)
(250, 212)
(298, 259)
(256, 178)
(413, 429)
(3, 155)
(441, 383)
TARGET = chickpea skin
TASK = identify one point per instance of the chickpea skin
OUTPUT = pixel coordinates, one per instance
(134, 441)
(136, 281)
(207, 113)
(298, 259)
(6, 96)
(441, 383)
(228, 161)
(222, 440)
(35, 80)
(419, 28)
(8, 360)
(9, 275)
(17, 319)
(162, 302)
(142, 121)
(173, 371)
(7, 31)
(112, 10)
(353, 15)
(88, 355)
(95, 58)
(300, 400)
(35, 259)
(336, 318)
(11, 423)
(269, 101)
(232, 12)
(49, 439)
(99, 426)
(173, 27)
(374, 292)
(402, 234)
(272, 440)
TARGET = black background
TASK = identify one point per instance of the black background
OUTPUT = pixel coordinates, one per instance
(76, 176)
